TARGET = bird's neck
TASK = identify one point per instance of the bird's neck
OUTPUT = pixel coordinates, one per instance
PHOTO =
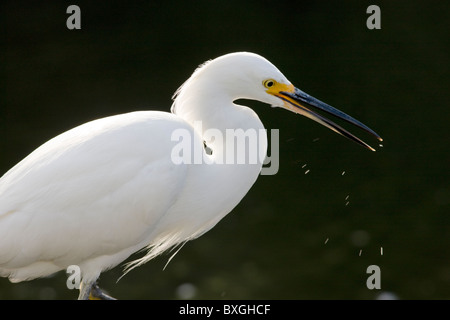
(236, 146)
(221, 123)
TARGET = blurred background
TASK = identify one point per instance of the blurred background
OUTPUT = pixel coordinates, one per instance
(295, 235)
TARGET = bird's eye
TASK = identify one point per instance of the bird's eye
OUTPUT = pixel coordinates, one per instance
(268, 83)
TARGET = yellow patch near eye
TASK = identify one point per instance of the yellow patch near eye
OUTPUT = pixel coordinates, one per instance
(274, 87)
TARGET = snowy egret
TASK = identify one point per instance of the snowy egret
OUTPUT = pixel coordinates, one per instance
(96, 194)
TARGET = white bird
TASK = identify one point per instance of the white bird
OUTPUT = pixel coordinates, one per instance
(95, 194)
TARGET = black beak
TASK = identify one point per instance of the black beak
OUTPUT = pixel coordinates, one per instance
(299, 101)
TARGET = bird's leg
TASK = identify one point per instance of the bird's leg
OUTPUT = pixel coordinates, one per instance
(98, 294)
(91, 291)
(85, 290)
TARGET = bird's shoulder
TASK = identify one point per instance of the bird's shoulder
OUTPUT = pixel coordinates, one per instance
(122, 145)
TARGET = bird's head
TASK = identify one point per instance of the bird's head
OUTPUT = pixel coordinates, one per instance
(244, 75)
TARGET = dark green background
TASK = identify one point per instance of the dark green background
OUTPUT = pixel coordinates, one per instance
(133, 56)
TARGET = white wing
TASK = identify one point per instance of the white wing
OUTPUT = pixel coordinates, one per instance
(54, 204)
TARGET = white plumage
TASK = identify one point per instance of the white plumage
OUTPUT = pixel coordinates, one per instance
(95, 194)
